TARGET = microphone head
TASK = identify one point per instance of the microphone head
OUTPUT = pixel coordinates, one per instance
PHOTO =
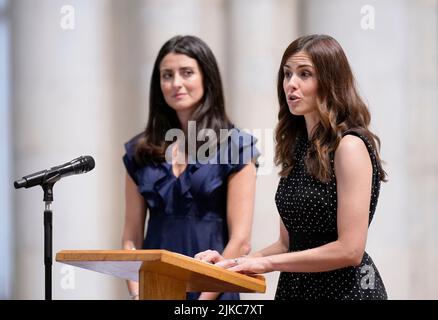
(19, 183)
(88, 163)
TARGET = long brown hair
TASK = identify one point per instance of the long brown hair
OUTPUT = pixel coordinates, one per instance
(340, 109)
(211, 113)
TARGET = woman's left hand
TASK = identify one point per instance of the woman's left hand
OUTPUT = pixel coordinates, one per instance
(210, 256)
(246, 265)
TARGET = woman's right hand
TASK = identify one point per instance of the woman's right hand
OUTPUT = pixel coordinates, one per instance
(209, 256)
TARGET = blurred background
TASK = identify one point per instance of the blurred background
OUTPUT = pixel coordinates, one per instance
(74, 80)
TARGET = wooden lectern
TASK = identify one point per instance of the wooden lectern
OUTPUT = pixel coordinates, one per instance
(162, 275)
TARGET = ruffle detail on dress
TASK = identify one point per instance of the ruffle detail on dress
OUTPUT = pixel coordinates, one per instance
(186, 181)
(196, 181)
(129, 158)
(241, 150)
(164, 191)
(154, 180)
(163, 183)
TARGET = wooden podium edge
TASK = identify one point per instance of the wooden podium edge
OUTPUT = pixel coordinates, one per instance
(255, 283)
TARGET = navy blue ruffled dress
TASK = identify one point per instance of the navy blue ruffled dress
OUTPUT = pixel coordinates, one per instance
(187, 214)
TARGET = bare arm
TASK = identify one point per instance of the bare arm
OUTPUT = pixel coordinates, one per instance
(240, 208)
(353, 173)
(135, 215)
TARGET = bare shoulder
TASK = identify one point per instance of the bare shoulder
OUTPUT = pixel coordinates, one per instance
(352, 153)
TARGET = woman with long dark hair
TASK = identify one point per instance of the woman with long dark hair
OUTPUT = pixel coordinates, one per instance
(330, 181)
(198, 190)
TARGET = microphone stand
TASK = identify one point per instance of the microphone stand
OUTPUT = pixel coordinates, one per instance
(48, 235)
(47, 179)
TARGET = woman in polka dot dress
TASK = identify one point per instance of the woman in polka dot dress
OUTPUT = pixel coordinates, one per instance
(330, 181)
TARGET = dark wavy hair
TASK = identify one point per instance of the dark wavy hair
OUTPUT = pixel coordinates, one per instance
(340, 109)
(151, 146)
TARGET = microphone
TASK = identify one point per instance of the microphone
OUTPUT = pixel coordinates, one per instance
(50, 176)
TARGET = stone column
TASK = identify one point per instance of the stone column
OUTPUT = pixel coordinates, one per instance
(422, 148)
(63, 108)
(258, 32)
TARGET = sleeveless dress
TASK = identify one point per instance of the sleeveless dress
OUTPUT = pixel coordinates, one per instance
(308, 210)
(187, 214)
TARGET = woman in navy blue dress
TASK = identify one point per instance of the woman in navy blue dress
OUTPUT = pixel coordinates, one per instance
(330, 181)
(198, 190)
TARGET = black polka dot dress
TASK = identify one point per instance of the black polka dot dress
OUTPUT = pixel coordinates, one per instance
(308, 210)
